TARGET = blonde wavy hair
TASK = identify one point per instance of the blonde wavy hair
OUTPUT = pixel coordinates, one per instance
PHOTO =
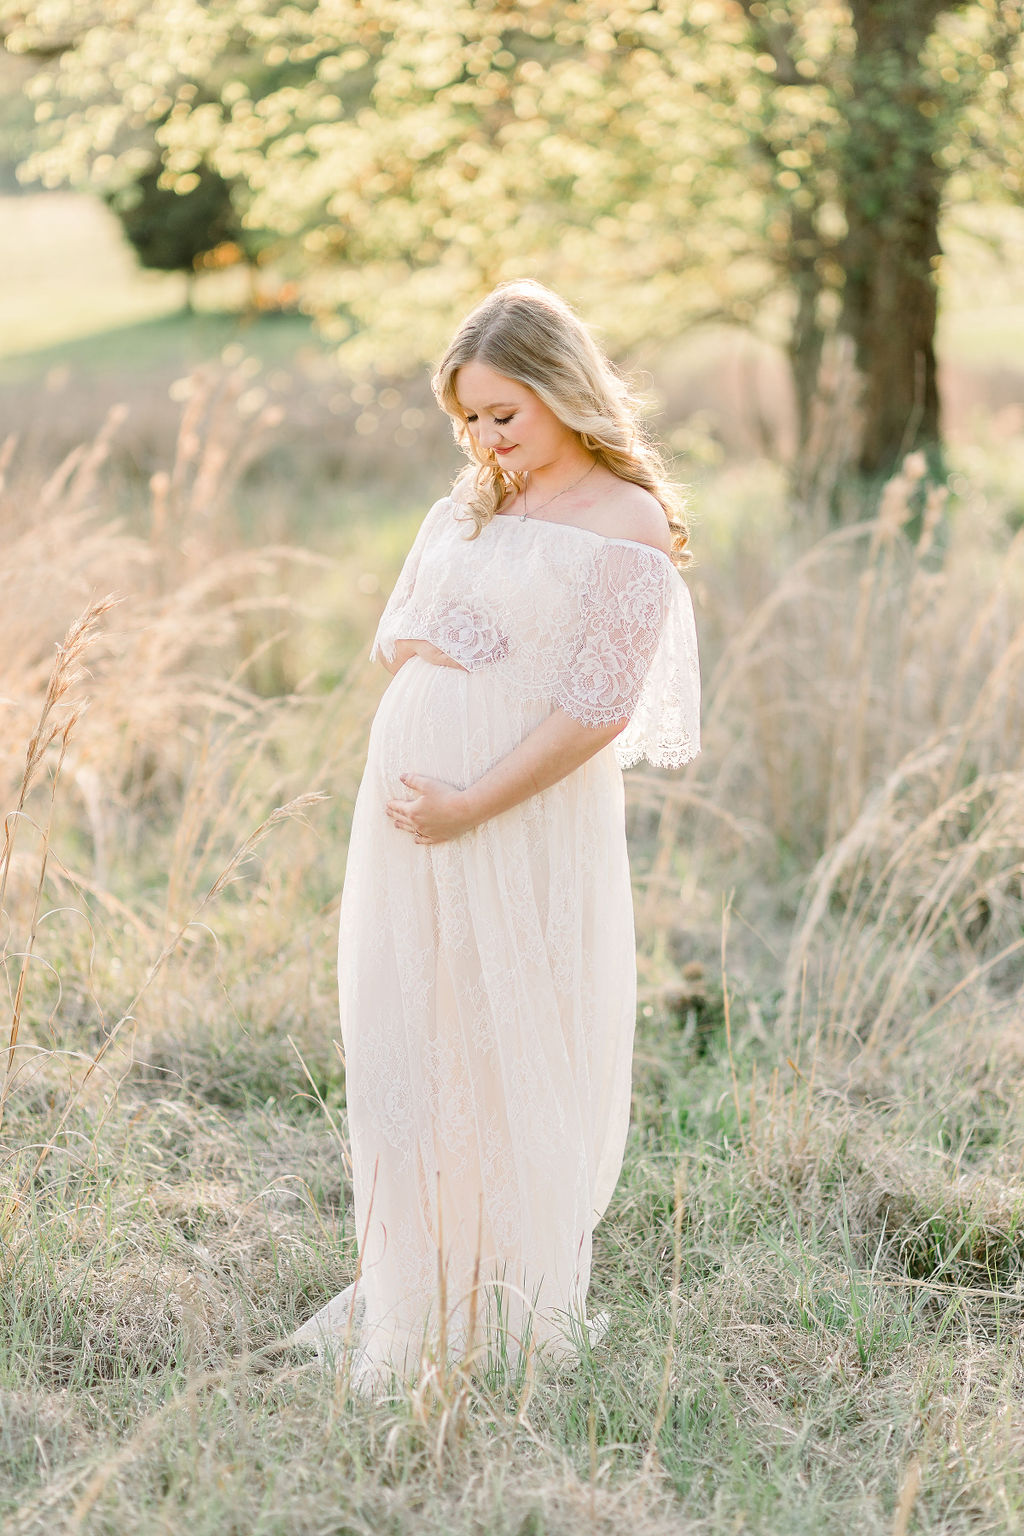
(525, 332)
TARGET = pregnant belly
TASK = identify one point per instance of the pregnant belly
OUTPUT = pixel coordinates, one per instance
(453, 725)
(422, 724)
(444, 721)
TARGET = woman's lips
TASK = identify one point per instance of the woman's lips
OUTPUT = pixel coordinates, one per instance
(506, 450)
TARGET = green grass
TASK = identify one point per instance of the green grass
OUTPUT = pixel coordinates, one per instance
(74, 298)
(68, 274)
(173, 341)
(808, 1370)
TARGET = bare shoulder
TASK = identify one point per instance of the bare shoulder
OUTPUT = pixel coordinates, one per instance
(629, 512)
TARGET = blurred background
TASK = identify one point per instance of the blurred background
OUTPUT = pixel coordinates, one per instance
(234, 234)
(805, 220)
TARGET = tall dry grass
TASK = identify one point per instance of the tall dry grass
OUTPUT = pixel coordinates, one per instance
(154, 769)
(814, 1260)
(862, 774)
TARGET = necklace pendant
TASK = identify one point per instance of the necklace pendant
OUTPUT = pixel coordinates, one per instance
(523, 516)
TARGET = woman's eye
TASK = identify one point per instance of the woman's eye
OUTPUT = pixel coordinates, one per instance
(470, 420)
(503, 421)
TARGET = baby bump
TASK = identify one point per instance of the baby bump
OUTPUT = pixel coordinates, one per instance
(420, 725)
(445, 722)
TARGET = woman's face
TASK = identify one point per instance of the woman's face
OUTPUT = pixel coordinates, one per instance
(508, 418)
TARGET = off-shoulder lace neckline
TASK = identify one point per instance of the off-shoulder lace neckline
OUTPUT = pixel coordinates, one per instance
(590, 533)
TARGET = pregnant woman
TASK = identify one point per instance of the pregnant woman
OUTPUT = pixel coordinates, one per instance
(540, 639)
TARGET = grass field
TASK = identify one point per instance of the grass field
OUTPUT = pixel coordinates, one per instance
(814, 1262)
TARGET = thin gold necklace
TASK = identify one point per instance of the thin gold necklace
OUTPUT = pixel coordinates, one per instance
(526, 511)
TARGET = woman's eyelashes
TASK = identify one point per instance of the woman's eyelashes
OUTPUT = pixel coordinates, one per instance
(499, 421)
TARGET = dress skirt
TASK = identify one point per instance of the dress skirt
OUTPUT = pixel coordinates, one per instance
(488, 999)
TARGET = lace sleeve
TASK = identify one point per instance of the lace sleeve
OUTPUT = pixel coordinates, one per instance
(389, 630)
(637, 658)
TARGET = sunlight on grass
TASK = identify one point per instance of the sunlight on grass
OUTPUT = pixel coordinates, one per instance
(68, 273)
(814, 1261)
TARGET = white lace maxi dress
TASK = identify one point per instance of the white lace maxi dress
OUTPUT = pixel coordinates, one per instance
(488, 984)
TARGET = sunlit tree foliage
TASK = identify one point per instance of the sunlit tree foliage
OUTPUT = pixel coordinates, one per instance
(778, 163)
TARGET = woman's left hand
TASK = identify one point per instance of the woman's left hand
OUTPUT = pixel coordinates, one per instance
(434, 812)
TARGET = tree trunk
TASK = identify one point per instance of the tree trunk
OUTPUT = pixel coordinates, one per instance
(893, 329)
(891, 189)
(806, 340)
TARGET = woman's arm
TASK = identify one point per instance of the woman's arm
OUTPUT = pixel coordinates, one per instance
(435, 811)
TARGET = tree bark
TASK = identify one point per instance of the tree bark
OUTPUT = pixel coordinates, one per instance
(891, 189)
(806, 340)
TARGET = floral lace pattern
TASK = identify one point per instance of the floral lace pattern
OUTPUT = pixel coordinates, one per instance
(602, 628)
(469, 636)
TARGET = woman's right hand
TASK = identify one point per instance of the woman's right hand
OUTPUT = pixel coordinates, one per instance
(404, 649)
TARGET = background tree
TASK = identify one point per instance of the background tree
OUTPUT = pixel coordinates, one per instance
(777, 165)
(171, 231)
(862, 105)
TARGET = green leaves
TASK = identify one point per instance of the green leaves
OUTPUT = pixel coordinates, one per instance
(660, 164)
